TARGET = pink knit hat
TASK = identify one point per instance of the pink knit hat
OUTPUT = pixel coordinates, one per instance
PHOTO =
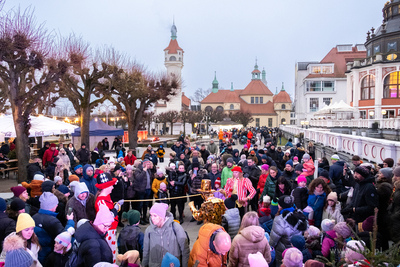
(265, 167)
(301, 178)
(293, 258)
(257, 260)
(103, 216)
(160, 209)
(353, 249)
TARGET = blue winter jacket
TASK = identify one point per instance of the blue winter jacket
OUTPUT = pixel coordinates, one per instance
(47, 228)
(317, 203)
(89, 181)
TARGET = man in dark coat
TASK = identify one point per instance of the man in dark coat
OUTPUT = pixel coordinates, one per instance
(33, 167)
(214, 174)
(106, 144)
(204, 153)
(83, 155)
(336, 173)
(365, 196)
(142, 186)
(252, 172)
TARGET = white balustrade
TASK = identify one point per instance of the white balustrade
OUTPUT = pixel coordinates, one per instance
(372, 149)
(392, 123)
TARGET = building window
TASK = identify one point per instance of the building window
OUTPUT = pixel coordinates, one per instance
(261, 99)
(391, 85)
(344, 48)
(327, 100)
(208, 109)
(314, 105)
(283, 106)
(256, 99)
(321, 70)
(172, 58)
(231, 106)
(283, 121)
(269, 122)
(219, 108)
(368, 87)
(257, 122)
(363, 114)
(252, 99)
(318, 86)
(388, 113)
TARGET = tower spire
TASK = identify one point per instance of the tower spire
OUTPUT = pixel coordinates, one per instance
(173, 30)
(276, 90)
(215, 84)
(283, 87)
(232, 87)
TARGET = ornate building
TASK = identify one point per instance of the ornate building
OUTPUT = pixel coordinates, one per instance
(266, 108)
(373, 81)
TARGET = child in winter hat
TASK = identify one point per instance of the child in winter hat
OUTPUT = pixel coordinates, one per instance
(353, 252)
(313, 239)
(257, 260)
(162, 194)
(293, 258)
(16, 255)
(217, 185)
(300, 193)
(342, 229)
(327, 225)
(59, 256)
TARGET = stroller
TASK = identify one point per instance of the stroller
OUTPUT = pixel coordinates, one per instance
(243, 140)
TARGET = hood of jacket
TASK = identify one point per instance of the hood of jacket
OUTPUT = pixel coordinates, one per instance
(85, 176)
(205, 234)
(253, 233)
(81, 188)
(296, 219)
(85, 232)
(340, 163)
(369, 179)
(234, 153)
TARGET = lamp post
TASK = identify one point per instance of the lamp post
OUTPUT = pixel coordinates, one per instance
(302, 124)
(306, 123)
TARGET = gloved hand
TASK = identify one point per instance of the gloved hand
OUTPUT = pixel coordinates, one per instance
(121, 202)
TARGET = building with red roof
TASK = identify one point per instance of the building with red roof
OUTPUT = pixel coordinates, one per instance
(321, 83)
(266, 108)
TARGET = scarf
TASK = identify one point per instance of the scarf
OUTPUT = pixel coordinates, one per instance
(318, 194)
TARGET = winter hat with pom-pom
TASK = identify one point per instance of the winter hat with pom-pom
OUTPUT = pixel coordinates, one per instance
(257, 260)
(230, 203)
(16, 255)
(293, 258)
(65, 238)
(353, 249)
(327, 225)
(103, 216)
(133, 216)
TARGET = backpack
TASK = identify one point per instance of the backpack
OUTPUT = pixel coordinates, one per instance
(128, 239)
(173, 229)
(73, 260)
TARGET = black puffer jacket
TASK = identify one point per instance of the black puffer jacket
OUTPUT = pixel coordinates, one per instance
(180, 180)
(93, 246)
(284, 227)
(7, 226)
(365, 199)
(253, 173)
(140, 180)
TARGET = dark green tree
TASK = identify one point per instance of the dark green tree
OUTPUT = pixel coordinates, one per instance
(242, 117)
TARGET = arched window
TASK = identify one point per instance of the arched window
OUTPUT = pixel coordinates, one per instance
(231, 106)
(283, 106)
(391, 85)
(172, 58)
(208, 109)
(283, 120)
(368, 87)
(219, 108)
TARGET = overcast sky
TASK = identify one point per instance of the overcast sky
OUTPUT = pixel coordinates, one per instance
(216, 35)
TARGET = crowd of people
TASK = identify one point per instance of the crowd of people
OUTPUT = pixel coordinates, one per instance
(279, 208)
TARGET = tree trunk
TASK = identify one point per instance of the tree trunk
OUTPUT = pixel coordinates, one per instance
(22, 144)
(184, 129)
(85, 120)
(172, 128)
(132, 132)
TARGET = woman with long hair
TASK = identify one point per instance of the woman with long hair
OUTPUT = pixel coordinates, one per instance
(318, 191)
(283, 188)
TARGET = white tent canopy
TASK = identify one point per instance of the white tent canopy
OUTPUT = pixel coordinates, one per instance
(342, 107)
(40, 126)
(324, 110)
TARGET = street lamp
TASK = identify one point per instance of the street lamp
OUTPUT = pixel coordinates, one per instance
(302, 124)
(306, 123)
(371, 114)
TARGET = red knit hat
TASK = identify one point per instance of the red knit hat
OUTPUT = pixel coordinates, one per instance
(17, 190)
(237, 169)
(218, 181)
(53, 145)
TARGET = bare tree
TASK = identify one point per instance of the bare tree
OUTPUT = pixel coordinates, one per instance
(242, 117)
(133, 91)
(84, 85)
(30, 65)
(185, 117)
(148, 118)
(171, 117)
(200, 94)
(196, 117)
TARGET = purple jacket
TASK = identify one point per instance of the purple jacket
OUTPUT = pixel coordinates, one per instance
(328, 243)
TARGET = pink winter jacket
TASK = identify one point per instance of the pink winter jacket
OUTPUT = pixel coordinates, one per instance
(328, 243)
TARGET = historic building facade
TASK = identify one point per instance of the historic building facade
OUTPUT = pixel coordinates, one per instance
(266, 108)
(374, 80)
